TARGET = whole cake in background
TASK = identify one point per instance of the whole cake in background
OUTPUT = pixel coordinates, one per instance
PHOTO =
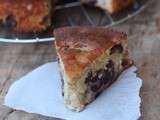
(35, 15)
(90, 60)
(111, 6)
(25, 15)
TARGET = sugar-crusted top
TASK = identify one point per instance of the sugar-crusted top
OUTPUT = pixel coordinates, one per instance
(79, 46)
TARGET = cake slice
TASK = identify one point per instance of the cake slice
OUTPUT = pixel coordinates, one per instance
(25, 15)
(90, 60)
(111, 6)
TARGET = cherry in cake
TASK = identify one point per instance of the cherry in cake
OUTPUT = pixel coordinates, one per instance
(90, 60)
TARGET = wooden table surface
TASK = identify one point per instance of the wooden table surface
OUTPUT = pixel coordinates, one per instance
(16, 60)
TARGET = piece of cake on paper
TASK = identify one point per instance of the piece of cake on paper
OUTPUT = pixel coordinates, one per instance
(112, 6)
(25, 15)
(90, 60)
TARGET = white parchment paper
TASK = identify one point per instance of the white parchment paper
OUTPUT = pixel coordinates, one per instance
(40, 92)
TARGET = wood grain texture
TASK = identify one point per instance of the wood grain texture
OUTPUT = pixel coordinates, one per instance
(144, 43)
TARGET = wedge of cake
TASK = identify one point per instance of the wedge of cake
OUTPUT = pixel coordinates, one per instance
(90, 60)
(111, 6)
(25, 15)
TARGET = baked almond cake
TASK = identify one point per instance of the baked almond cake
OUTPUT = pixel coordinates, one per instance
(25, 15)
(111, 6)
(90, 60)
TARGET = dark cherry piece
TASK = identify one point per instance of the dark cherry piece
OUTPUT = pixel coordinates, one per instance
(126, 62)
(101, 78)
(10, 22)
(116, 49)
(89, 77)
(94, 88)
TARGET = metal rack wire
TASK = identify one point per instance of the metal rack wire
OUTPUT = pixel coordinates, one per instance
(109, 20)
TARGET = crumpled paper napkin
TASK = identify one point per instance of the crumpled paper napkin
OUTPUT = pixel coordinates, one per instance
(40, 92)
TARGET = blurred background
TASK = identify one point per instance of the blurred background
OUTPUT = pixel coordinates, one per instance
(143, 30)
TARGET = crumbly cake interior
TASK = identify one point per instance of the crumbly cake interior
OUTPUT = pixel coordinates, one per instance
(96, 77)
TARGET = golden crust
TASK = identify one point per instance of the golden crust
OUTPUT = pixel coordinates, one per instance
(77, 47)
(29, 14)
(117, 5)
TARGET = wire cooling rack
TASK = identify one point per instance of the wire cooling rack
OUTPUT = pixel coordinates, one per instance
(74, 13)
